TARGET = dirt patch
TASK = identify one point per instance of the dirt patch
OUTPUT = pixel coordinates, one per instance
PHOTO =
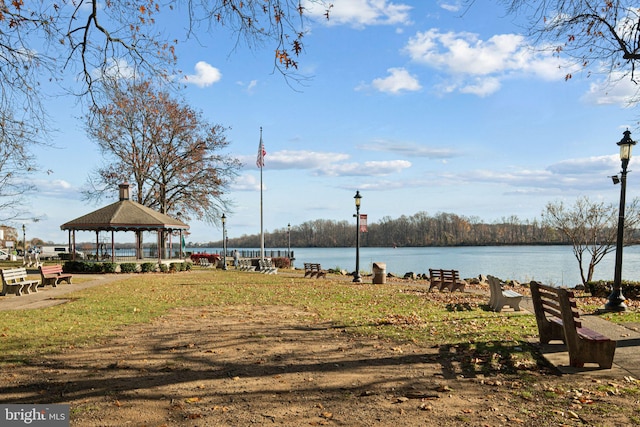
(242, 365)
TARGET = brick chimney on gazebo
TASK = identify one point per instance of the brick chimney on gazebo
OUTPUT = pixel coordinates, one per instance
(124, 191)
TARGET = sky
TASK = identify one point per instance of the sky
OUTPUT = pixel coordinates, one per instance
(420, 106)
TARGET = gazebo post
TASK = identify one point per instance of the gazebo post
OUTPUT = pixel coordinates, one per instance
(113, 246)
(159, 254)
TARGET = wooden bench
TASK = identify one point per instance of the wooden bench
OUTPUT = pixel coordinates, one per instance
(14, 280)
(501, 297)
(314, 269)
(558, 319)
(53, 274)
(445, 279)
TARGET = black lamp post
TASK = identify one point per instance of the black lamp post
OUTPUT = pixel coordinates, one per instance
(616, 301)
(356, 275)
(224, 242)
(24, 239)
(289, 244)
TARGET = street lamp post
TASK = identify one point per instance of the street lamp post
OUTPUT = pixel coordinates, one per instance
(356, 275)
(224, 242)
(24, 239)
(616, 301)
(289, 244)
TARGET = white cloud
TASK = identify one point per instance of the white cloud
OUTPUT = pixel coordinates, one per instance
(581, 174)
(360, 13)
(325, 163)
(481, 86)
(205, 75)
(372, 168)
(587, 166)
(477, 66)
(56, 188)
(398, 81)
(617, 89)
(291, 159)
(246, 182)
(114, 69)
(451, 6)
(410, 149)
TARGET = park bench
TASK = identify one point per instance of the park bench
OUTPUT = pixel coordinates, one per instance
(53, 274)
(267, 267)
(245, 265)
(14, 280)
(445, 279)
(558, 319)
(314, 269)
(204, 263)
(500, 297)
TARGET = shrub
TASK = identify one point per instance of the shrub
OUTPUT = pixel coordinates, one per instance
(148, 267)
(178, 266)
(282, 262)
(128, 267)
(74, 267)
(95, 267)
(109, 267)
(187, 266)
(603, 288)
(213, 258)
(164, 268)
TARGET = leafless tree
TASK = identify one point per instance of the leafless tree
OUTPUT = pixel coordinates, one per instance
(597, 34)
(173, 157)
(591, 228)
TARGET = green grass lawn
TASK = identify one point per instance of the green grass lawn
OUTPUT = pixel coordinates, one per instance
(396, 311)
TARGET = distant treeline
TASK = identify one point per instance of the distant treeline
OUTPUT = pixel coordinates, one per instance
(443, 229)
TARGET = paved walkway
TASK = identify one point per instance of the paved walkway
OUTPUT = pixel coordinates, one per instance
(49, 296)
(625, 363)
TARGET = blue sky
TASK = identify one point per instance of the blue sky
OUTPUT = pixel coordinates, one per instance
(421, 106)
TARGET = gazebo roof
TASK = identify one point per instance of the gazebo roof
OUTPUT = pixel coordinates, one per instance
(124, 215)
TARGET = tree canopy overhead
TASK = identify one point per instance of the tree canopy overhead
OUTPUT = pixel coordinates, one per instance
(81, 44)
(604, 35)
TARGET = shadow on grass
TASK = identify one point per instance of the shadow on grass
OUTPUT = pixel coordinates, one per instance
(252, 359)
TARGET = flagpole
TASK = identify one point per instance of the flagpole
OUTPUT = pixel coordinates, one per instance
(261, 210)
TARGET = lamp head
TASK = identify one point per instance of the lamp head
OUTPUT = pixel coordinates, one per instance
(625, 145)
(224, 218)
(357, 197)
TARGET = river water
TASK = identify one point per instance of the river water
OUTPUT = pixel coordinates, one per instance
(555, 265)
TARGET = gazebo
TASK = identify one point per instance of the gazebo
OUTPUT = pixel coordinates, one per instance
(125, 215)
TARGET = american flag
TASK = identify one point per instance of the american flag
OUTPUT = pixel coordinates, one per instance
(261, 153)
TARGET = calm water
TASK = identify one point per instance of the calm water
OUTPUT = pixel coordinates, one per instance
(548, 264)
